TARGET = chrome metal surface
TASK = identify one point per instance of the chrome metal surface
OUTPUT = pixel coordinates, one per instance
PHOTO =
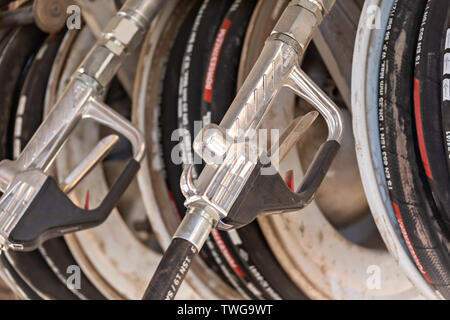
(88, 163)
(15, 202)
(101, 113)
(304, 87)
(97, 15)
(194, 226)
(293, 133)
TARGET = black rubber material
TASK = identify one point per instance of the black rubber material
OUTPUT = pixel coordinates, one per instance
(410, 195)
(168, 124)
(445, 88)
(19, 46)
(257, 195)
(36, 273)
(58, 256)
(16, 280)
(43, 219)
(5, 2)
(171, 271)
(31, 99)
(427, 104)
(248, 245)
(169, 100)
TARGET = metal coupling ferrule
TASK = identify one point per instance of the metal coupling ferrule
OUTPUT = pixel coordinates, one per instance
(299, 22)
(197, 225)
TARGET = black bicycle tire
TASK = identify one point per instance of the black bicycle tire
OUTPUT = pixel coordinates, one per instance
(35, 271)
(32, 93)
(412, 202)
(13, 60)
(445, 89)
(58, 256)
(427, 105)
(21, 287)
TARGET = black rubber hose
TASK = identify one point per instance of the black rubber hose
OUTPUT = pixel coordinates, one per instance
(171, 271)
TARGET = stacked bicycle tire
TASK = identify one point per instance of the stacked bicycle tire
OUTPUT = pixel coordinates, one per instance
(413, 124)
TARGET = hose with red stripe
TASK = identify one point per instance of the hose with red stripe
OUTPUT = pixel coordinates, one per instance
(418, 218)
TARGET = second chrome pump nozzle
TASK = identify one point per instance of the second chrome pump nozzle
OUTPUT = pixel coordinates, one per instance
(232, 189)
